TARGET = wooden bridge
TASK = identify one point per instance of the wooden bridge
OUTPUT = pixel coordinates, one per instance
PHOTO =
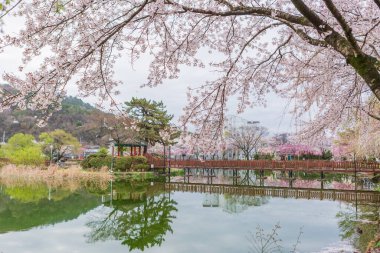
(304, 165)
(282, 192)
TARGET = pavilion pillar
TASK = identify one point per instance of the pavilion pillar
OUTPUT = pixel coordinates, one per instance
(131, 150)
(139, 150)
(145, 149)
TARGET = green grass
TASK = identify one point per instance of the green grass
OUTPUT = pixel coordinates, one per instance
(134, 175)
(176, 172)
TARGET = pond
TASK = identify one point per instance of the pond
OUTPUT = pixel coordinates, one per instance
(157, 216)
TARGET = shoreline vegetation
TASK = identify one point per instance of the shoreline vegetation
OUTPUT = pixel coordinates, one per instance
(11, 174)
(53, 175)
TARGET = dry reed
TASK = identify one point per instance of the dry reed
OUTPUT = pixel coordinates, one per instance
(53, 176)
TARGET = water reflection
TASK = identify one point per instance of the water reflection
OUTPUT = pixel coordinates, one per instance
(140, 215)
(291, 179)
(233, 203)
(269, 242)
(22, 208)
(139, 224)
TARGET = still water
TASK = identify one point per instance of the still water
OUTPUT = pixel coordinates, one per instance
(144, 216)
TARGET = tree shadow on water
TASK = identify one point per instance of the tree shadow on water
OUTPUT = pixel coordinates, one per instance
(137, 224)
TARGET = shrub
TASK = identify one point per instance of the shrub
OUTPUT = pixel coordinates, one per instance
(122, 164)
(141, 167)
(129, 161)
(97, 161)
(260, 156)
(86, 162)
(103, 151)
(139, 160)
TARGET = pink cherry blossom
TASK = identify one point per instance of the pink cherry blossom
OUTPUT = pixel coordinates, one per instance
(321, 54)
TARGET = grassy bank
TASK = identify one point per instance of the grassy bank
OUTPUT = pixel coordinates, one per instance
(133, 175)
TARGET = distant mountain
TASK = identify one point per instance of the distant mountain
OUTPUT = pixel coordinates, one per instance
(76, 117)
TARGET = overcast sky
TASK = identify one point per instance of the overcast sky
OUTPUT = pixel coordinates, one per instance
(172, 92)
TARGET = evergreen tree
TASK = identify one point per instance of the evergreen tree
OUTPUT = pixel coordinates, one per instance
(151, 119)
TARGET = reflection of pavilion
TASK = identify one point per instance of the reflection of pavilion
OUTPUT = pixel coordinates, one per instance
(232, 204)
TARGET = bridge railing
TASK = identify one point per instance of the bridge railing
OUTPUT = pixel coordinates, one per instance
(305, 193)
(268, 164)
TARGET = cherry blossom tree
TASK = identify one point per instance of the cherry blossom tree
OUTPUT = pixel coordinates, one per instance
(321, 54)
(361, 141)
(297, 150)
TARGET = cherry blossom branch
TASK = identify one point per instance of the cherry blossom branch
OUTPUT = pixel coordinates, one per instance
(10, 9)
(245, 10)
(226, 3)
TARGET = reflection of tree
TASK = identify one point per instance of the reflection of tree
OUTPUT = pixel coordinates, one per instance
(138, 224)
(233, 203)
(36, 193)
(28, 211)
(361, 226)
(239, 203)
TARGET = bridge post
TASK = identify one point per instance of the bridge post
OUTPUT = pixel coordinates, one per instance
(169, 163)
(186, 175)
(261, 174)
(322, 175)
(234, 177)
(210, 174)
(290, 182)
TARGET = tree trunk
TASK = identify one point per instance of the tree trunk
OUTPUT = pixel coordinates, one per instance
(368, 68)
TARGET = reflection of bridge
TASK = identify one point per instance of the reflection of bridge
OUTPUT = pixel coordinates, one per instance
(305, 166)
(282, 192)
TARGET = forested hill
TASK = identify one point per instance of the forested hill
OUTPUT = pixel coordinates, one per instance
(76, 117)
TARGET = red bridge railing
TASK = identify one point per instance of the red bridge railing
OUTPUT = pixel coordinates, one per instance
(304, 165)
